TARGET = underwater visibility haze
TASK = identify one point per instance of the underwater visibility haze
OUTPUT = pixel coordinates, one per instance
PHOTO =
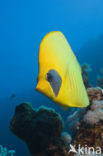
(23, 25)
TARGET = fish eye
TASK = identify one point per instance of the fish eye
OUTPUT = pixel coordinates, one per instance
(55, 81)
(49, 77)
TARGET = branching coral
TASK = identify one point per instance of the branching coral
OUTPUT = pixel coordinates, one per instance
(5, 152)
(85, 71)
(100, 79)
(41, 130)
(72, 123)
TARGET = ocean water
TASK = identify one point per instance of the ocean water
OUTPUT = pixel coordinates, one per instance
(23, 24)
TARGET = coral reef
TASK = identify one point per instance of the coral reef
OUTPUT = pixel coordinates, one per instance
(90, 130)
(100, 79)
(72, 123)
(41, 130)
(94, 115)
(5, 152)
(66, 137)
(92, 136)
(95, 93)
(85, 71)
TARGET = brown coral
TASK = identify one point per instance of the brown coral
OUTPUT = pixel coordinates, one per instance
(91, 133)
(92, 136)
(95, 94)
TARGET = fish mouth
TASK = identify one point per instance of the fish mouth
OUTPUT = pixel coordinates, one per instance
(42, 91)
(38, 89)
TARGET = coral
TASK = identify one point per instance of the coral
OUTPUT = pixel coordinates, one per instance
(73, 116)
(66, 137)
(95, 93)
(90, 130)
(85, 71)
(91, 117)
(90, 135)
(41, 130)
(72, 123)
(95, 114)
(5, 152)
(100, 81)
(100, 78)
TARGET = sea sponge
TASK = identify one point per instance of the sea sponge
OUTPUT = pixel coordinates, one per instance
(41, 130)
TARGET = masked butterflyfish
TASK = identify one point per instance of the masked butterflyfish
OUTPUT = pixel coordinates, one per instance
(60, 76)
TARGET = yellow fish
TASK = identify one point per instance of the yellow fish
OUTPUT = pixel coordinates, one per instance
(60, 76)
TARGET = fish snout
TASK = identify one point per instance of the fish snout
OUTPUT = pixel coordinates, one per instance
(40, 86)
(37, 88)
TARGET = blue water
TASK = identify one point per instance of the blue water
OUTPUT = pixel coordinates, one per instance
(23, 24)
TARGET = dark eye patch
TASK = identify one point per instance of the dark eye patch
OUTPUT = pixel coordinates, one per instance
(49, 77)
(55, 80)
